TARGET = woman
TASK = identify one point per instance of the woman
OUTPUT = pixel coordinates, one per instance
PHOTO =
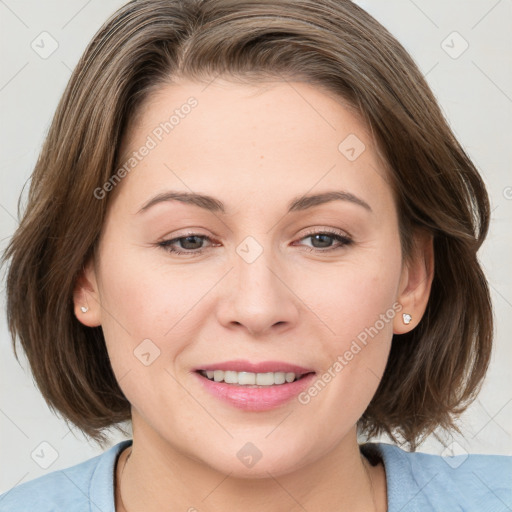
(252, 233)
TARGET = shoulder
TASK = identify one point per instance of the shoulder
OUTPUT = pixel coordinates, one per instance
(420, 481)
(88, 486)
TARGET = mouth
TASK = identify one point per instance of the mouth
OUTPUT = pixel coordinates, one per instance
(251, 379)
(254, 386)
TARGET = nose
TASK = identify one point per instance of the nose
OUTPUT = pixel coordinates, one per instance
(259, 297)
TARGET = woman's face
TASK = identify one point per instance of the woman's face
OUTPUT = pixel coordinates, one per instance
(254, 290)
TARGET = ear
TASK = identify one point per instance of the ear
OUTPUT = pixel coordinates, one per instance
(85, 294)
(415, 282)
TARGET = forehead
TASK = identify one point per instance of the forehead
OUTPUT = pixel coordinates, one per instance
(269, 141)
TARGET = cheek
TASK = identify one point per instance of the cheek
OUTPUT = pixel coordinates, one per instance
(152, 315)
(146, 297)
(354, 299)
(358, 308)
(366, 312)
(144, 325)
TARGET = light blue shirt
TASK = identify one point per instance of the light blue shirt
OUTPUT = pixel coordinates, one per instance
(416, 482)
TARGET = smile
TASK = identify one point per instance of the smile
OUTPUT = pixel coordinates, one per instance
(250, 378)
(255, 387)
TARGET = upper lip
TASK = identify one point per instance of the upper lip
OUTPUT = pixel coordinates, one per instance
(262, 367)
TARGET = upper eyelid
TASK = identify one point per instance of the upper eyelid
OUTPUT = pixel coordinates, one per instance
(309, 231)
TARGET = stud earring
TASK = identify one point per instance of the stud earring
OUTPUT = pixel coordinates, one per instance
(406, 318)
(84, 309)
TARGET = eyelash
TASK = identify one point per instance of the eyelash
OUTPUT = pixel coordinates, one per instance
(342, 239)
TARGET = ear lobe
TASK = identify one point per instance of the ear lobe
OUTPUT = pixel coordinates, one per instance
(415, 283)
(86, 301)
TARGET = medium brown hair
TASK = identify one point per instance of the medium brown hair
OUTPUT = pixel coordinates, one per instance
(433, 372)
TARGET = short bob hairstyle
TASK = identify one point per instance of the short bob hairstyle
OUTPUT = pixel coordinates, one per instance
(433, 373)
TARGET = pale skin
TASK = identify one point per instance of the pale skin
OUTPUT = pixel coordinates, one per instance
(255, 148)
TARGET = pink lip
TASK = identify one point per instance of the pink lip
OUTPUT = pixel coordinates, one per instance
(263, 367)
(255, 399)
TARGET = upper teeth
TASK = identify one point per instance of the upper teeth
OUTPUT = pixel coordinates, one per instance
(248, 378)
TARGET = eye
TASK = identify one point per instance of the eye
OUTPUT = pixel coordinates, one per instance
(190, 243)
(322, 239)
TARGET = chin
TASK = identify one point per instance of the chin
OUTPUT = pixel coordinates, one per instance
(245, 460)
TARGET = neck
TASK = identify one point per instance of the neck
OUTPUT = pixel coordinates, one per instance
(159, 476)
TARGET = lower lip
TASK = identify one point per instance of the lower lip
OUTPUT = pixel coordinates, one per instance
(256, 399)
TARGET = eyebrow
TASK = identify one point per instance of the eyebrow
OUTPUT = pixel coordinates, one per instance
(216, 206)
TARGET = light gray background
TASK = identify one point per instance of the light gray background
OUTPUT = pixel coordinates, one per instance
(474, 89)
